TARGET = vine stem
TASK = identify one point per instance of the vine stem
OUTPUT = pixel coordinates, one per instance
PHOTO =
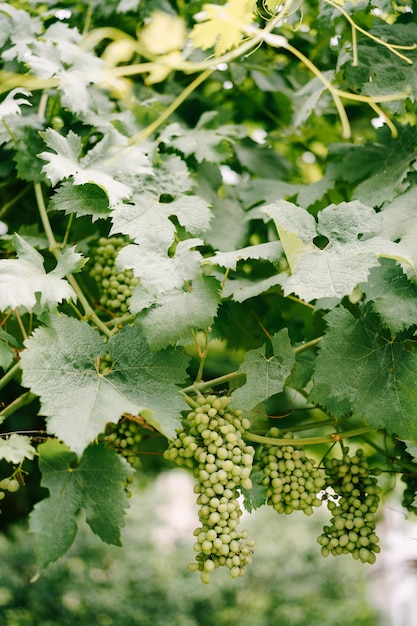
(307, 441)
(307, 345)
(153, 126)
(9, 375)
(201, 386)
(23, 400)
(54, 247)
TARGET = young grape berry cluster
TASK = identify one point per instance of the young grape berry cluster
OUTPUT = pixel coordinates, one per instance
(9, 484)
(212, 445)
(352, 526)
(115, 286)
(124, 437)
(292, 480)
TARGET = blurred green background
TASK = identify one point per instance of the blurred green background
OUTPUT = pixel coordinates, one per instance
(147, 581)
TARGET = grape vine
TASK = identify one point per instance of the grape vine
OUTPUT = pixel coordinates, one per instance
(207, 225)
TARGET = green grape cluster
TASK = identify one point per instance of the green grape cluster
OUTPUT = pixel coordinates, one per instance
(353, 508)
(292, 480)
(9, 484)
(125, 437)
(115, 286)
(212, 444)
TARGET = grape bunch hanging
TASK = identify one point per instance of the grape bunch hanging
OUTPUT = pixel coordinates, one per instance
(212, 444)
(115, 287)
(353, 505)
(292, 480)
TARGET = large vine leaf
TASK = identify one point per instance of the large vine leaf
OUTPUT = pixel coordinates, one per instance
(60, 364)
(25, 283)
(90, 484)
(265, 375)
(352, 246)
(361, 367)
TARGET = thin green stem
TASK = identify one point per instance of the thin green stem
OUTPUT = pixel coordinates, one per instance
(307, 441)
(8, 205)
(307, 345)
(153, 126)
(52, 243)
(9, 375)
(202, 386)
(18, 403)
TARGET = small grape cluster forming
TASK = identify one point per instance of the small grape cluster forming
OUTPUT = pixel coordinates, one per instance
(115, 286)
(352, 526)
(212, 445)
(125, 437)
(9, 484)
(292, 480)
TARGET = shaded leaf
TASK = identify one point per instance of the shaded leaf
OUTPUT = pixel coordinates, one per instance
(89, 485)
(265, 376)
(372, 374)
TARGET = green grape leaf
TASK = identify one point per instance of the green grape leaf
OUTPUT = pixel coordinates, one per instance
(399, 221)
(146, 220)
(158, 272)
(89, 485)
(412, 450)
(222, 26)
(242, 289)
(179, 311)
(105, 165)
(78, 400)
(265, 376)
(24, 282)
(269, 251)
(352, 247)
(378, 170)
(389, 291)
(16, 448)
(80, 199)
(255, 497)
(11, 104)
(360, 365)
(206, 144)
(20, 28)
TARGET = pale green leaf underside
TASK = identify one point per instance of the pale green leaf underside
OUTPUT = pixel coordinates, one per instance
(24, 281)
(91, 485)
(331, 272)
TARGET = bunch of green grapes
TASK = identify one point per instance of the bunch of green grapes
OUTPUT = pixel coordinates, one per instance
(125, 437)
(212, 444)
(292, 480)
(353, 507)
(9, 484)
(114, 286)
